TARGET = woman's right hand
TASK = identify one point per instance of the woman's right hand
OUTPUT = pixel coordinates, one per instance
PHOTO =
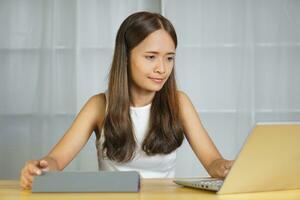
(32, 168)
(219, 168)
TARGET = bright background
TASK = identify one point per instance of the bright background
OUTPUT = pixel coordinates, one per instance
(238, 60)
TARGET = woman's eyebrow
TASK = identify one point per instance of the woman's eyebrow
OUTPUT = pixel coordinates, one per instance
(156, 52)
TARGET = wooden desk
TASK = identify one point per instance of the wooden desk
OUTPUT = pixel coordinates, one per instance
(151, 189)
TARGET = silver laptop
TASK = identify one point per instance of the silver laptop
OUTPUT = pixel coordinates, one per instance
(268, 161)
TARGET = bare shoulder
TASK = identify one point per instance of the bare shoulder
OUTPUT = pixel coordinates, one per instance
(95, 106)
(183, 98)
(186, 107)
(98, 102)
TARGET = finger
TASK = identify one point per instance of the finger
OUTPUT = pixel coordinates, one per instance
(30, 164)
(25, 184)
(44, 165)
(225, 173)
(222, 167)
(219, 172)
(33, 170)
(228, 164)
(22, 185)
(28, 177)
(24, 179)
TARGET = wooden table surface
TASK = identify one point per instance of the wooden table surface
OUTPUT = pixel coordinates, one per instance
(150, 189)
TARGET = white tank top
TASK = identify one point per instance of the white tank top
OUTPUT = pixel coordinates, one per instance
(157, 166)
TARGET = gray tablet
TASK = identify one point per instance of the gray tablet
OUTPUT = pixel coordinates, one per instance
(102, 181)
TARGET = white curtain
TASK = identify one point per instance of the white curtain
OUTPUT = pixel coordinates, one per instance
(238, 60)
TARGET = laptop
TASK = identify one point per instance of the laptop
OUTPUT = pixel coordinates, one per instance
(268, 161)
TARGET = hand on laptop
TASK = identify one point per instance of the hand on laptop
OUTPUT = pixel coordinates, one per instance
(32, 168)
(219, 168)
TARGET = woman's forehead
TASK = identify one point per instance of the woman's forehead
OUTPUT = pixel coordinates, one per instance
(158, 41)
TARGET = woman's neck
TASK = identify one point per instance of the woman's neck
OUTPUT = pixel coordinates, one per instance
(139, 98)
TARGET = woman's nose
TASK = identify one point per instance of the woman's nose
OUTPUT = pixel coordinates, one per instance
(160, 67)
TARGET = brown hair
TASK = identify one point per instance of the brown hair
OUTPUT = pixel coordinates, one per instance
(165, 133)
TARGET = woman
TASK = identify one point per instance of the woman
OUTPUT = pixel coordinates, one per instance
(142, 118)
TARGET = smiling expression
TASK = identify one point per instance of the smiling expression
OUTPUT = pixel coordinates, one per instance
(152, 61)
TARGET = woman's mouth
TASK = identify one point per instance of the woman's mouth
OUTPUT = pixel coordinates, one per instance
(157, 80)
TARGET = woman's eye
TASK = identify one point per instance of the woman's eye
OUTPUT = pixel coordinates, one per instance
(171, 59)
(150, 57)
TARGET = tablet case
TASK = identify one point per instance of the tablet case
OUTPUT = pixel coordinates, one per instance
(102, 181)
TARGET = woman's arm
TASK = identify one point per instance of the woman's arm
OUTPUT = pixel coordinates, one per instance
(89, 118)
(78, 134)
(199, 139)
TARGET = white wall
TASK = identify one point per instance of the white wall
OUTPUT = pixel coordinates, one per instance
(238, 60)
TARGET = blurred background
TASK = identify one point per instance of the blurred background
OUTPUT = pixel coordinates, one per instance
(238, 61)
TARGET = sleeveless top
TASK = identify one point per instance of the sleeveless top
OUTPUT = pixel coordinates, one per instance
(157, 166)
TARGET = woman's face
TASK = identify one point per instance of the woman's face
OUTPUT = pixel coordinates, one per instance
(152, 61)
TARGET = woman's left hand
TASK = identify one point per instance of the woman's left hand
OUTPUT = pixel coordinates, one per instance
(219, 168)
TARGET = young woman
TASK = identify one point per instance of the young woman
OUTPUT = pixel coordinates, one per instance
(142, 118)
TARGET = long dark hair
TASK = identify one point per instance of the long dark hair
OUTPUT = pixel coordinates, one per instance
(165, 133)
